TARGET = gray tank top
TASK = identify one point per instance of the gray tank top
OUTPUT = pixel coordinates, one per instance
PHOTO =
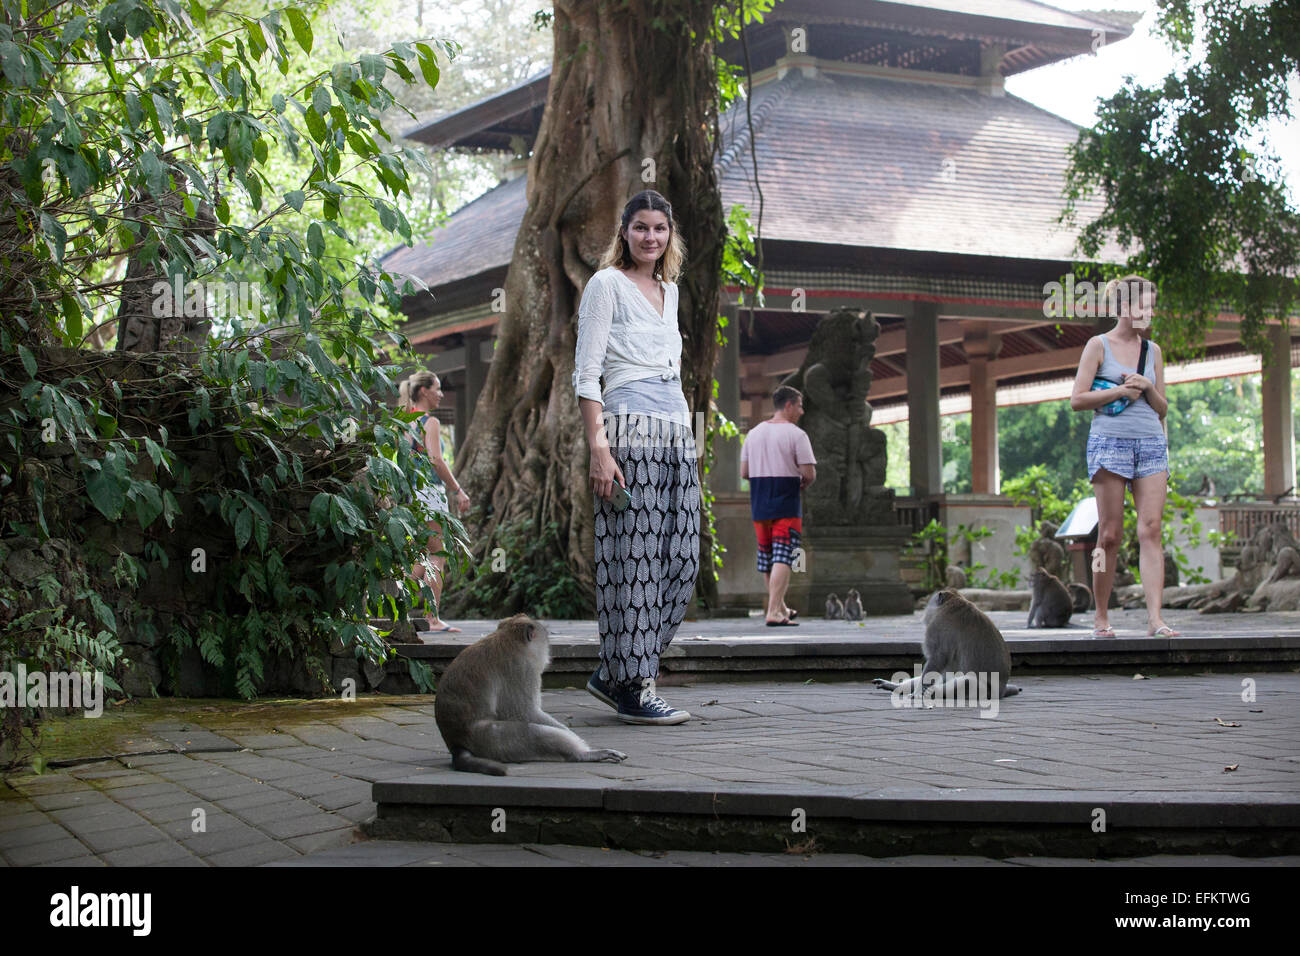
(1139, 420)
(656, 397)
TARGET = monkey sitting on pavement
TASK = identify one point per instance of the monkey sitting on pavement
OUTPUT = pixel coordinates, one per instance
(1050, 603)
(489, 704)
(961, 644)
(853, 606)
(834, 609)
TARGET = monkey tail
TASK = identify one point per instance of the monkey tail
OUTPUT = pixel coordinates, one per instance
(462, 759)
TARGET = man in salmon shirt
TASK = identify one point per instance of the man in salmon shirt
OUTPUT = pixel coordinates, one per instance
(777, 458)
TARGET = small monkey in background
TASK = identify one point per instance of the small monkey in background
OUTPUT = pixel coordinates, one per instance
(1050, 604)
(1081, 596)
(489, 704)
(834, 609)
(853, 606)
(962, 644)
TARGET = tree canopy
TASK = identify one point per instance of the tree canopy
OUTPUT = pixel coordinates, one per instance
(1190, 186)
(155, 154)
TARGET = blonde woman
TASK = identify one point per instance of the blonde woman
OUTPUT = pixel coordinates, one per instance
(1126, 444)
(645, 485)
(422, 392)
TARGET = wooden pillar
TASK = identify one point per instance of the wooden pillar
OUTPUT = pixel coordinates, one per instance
(981, 348)
(724, 477)
(925, 445)
(463, 411)
(1279, 444)
(476, 369)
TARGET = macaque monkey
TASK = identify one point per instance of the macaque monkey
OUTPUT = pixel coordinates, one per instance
(853, 606)
(834, 609)
(489, 704)
(1081, 596)
(961, 644)
(1050, 604)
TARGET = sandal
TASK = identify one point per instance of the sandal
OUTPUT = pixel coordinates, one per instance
(1164, 630)
(786, 623)
(1106, 631)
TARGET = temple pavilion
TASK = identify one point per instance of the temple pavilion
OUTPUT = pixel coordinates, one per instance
(897, 176)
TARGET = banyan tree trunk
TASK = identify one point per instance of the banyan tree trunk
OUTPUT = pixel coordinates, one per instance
(622, 92)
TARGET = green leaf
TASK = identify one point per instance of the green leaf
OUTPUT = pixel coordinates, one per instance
(372, 66)
(320, 100)
(11, 58)
(56, 237)
(320, 507)
(254, 191)
(301, 28)
(428, 64)
(243, 528)
(106, 492)
(29, 360)
(315, 241)
(148, 502)
(315, 124)
(295, 199)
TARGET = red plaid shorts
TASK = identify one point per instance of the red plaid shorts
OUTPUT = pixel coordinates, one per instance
(778, 539)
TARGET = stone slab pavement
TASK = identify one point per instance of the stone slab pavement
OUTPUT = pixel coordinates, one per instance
(295, 789)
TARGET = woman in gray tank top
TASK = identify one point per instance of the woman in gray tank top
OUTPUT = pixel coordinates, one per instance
(1128, 449)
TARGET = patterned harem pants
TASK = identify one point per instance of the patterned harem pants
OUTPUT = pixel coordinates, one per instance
(647, 557)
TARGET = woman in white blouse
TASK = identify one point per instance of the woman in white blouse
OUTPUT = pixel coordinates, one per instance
(646, 484)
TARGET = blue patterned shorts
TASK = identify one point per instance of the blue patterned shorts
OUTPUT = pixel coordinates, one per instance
(1127, 457)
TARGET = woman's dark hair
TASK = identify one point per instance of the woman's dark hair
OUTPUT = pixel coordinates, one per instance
(618, 254)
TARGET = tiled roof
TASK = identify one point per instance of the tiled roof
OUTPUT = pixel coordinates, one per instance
(477, 237)
(1020, 11)
(850, 160)
(872, 162)
(942, 35)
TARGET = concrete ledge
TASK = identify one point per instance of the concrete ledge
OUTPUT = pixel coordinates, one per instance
(988, 822)
(826, 651)
(1137, 808)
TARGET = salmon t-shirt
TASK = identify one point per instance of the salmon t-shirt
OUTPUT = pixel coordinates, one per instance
(774, 452)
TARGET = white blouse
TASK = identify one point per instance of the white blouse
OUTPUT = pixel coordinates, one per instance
(622, 337)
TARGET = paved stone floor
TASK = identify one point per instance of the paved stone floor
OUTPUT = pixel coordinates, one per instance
(281, 789)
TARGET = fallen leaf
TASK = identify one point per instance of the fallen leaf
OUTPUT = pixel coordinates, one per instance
(1225, 723)
(1231, 769)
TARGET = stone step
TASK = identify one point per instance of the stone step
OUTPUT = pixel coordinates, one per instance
(744, 650)
(451, 807)
(845, 650)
